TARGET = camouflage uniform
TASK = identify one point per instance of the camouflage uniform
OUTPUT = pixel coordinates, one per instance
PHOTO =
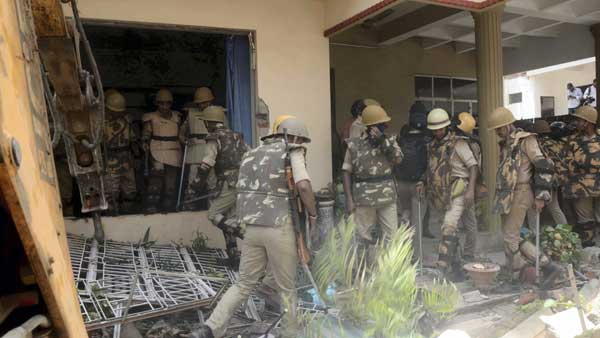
(229, 148)
(373, 187)
(555, 150)
(163, 134)
(194, 131)
(521, 164)
(447, 177)
(469, 216)
(583, 185)
(263, 206)
(120, 177)
(65, 180)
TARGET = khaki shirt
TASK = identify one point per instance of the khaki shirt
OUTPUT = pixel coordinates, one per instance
(532, 152)
(461, 160)
(197, 149)
(211, 150)
(298, 161)
(167, 152)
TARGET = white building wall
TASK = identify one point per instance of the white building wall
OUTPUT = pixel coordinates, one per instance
(553, 83)
(339, 10)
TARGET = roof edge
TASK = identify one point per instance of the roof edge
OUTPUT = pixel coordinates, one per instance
(461, 4)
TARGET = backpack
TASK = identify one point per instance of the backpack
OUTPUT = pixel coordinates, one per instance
(413, 144)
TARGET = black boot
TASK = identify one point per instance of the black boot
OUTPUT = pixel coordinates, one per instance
(586, 233)
(203, 332)
(448, 249)
(551, 272)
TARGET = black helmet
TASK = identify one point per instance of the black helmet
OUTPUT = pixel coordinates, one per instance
(418, 115)
(558, 129)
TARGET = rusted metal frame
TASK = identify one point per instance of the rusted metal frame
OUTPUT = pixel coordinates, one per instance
(202, 303)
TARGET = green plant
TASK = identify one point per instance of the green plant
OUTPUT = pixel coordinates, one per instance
(560, 243)
(199, 243)
(381, 298)
(441, 299)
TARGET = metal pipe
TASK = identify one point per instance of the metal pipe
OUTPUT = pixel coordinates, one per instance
(537, 246)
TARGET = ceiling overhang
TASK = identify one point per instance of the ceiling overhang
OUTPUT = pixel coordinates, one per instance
(470, 5)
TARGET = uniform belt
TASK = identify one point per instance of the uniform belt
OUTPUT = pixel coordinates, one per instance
(372, 179)
(165, 138)
(198, 136)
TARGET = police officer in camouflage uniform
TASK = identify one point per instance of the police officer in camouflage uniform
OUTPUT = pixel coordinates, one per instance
(263, 206)
(583, 185)
(225, 150)
(160, 136)
(464, 128)
(555, 149)
(119, 144)
(450, 179)
(193, 131)
(522, 164)
(368, 181)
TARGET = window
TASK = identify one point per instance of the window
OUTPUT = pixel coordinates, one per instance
(547, 106)
(455, 95)
(515, 98)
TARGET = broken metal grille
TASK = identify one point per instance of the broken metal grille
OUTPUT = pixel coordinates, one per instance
(117, 279)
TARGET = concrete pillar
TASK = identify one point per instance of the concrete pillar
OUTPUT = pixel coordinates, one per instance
(488, 39)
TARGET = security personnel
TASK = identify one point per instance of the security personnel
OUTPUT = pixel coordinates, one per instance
(225, 150)
(358, 127)
(583, 185)
(160, 137)
(119, 145)
(450, 179)
(413, 140)
(522, 164)
(464, 128)
(263, 206)
(203, 97)
(368, 181)
(198, 162)
(278, 121)
(555, 149)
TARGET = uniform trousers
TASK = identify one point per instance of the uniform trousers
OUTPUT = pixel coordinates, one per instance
(262, 246)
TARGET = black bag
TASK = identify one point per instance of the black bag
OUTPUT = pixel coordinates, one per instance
(414, 147)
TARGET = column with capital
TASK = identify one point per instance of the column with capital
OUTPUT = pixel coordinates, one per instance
(488, 40)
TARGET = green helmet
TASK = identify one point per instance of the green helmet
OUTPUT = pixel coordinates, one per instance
(294, 127)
